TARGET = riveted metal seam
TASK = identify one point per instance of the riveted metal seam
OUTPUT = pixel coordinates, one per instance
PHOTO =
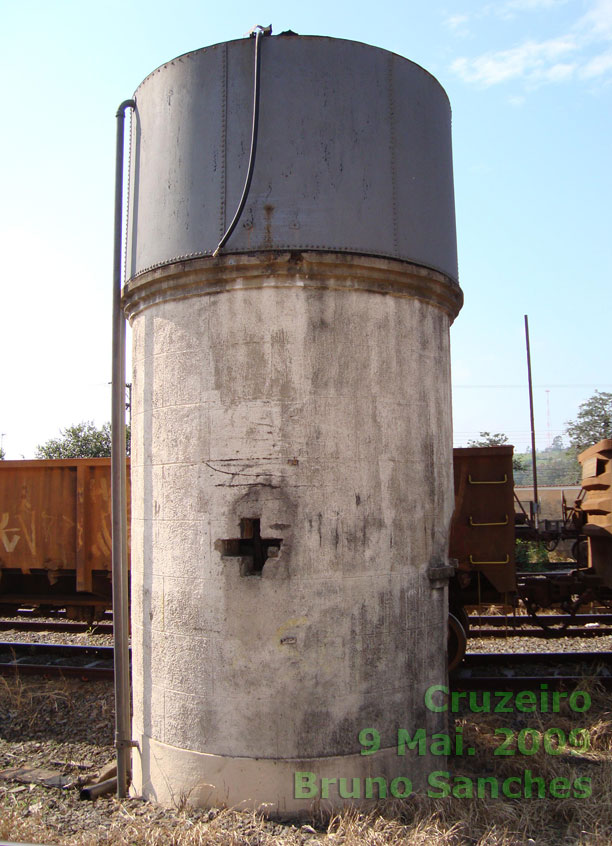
(223, 154)
(296, 248)
(393, 144)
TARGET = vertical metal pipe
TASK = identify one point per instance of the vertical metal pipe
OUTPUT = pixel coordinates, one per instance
(533, 443)
(118, 486)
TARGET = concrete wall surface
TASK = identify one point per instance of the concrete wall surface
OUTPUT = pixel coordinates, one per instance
(293, 411)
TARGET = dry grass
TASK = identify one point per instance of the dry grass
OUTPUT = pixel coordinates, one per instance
(26, 699)
(41, 815)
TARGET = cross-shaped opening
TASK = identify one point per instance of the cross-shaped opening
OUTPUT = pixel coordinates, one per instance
(251, 547)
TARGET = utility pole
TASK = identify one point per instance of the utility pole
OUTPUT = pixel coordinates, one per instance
(533, 441)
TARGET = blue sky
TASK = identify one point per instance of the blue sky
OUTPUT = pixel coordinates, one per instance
(530, 84)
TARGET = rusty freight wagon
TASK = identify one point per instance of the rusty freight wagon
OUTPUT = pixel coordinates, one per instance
(485, 528)
(55, 535)
(597, 506)
(482, 531)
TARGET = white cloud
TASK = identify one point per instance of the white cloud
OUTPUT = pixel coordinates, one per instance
(511, 8)
(456, 21)
(597, 66)
(596, 24)
(529, 59)
(529, 5)
(553, 60)
(559, 72)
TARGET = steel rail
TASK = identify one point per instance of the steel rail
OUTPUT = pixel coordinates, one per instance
(525, 620)
(49, 613)
(98, 653)
(550, 634)
(521, 671)
(497, 659)
(53, 659)
(60, 626)
(95, 662)
(579, 625)
(466, 682)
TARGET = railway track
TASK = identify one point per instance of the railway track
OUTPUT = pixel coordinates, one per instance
(557, 625)
(482, 625)
(531, 670)
(27, 620)
(479, 671)
(51, 659)
(62, 626)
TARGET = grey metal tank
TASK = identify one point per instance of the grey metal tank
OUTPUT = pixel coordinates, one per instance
(353, 154)
(291, 428)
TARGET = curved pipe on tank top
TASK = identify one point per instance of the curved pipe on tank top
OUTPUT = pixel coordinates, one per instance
(258, 32)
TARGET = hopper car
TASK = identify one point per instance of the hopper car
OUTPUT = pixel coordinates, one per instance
(55, 536)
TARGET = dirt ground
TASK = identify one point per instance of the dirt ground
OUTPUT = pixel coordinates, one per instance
(56, 735)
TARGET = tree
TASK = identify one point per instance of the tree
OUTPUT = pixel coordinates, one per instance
(556, 466)
(498, 439)
(488, 440)
(593, 422)
(81, 441)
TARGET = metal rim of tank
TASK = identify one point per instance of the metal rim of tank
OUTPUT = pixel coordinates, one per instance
(315, 270)
(306, 36)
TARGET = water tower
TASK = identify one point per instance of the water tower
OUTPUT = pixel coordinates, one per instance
(292, 277)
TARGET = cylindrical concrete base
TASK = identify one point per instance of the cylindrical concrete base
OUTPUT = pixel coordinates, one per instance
(292, 492)
(279, 788)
